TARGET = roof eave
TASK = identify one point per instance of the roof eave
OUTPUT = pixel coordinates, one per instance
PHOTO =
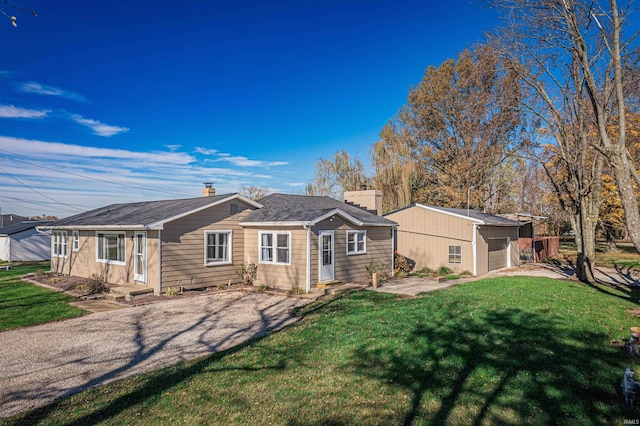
(435, 209)
(93, 227)
(277, 223)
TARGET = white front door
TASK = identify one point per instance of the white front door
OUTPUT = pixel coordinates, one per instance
(140, 260)
(327, 272)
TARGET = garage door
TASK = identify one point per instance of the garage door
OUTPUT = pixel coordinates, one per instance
(497, 253)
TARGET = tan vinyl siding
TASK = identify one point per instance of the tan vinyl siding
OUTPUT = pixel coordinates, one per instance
(351, 268)
(281, 276)
(84, 263)
(183, 247)
(424, 237)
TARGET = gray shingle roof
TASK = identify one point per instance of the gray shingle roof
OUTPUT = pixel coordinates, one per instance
(22, 226)
(305, 208)
(138, 214)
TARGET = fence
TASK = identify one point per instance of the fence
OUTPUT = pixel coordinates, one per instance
(538, 248)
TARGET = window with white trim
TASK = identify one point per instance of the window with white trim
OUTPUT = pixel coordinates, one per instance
(75, 246)
(217, 247)
(275, 247)
(111, 247)
(59, 241)
(455, 254)
(356, 242)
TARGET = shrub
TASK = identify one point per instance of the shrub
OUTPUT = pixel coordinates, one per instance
(247, 271)
(443, 270)
(295, 290)
(262, 287)
(466, 274)
(96, 284)
(425, 270)
(171, 291)
(402, 267)
(40, 273)
(377, 266)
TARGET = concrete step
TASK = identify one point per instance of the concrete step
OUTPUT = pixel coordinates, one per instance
(128, 292)
(114, 297)
(339, 288)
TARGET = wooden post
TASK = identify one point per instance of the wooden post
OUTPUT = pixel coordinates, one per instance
(374, 279)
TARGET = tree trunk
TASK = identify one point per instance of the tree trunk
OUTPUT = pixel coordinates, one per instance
(584, 226)
(621, 167)
(586, 243)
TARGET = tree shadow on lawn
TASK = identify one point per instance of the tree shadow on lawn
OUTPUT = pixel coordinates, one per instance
(503, 366)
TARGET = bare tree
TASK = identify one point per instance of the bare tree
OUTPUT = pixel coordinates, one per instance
(254, 192)
(574, 65)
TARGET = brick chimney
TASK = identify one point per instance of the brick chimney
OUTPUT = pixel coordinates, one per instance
(371, 199)
(208, 190)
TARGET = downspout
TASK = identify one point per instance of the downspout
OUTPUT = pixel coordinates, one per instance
(308, 274)
(518, 233)
(159, 261)
(393, 249)
(473, 250)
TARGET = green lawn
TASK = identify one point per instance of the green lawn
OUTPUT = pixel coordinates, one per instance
(626, 259)
(23, 304)
(497, 351)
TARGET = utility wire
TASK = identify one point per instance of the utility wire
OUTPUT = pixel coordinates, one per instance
(40, 193)
(40, 203)
(87, 177)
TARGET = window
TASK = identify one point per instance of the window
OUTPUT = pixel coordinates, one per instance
(356, 242)
(217, 247)
(59, 241)
(455, 254)
(275, 247)
(76, 241)
(111, 247)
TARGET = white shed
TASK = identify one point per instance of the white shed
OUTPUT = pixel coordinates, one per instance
(22, 242)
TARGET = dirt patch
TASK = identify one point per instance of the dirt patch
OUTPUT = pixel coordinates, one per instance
(67, 283)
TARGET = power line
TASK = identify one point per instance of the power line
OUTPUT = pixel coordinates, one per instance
(40, 193)
(87, 177)
(41, 203)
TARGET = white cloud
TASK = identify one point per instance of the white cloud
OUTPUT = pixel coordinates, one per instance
(43, 89)
(90, 176)
(241, 161)
(11, 111)
(173, 148)
(296, 184)
(43, 149)
(99, 128)
(245, 162)
(207, 151)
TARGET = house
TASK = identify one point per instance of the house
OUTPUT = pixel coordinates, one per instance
(296, 241)
(21, 242)
(10, 219)
(305, 240)
(460, 239)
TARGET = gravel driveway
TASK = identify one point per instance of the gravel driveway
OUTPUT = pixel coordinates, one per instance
(42, 363)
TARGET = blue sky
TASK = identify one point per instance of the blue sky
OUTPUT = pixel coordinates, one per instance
(108, 102)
